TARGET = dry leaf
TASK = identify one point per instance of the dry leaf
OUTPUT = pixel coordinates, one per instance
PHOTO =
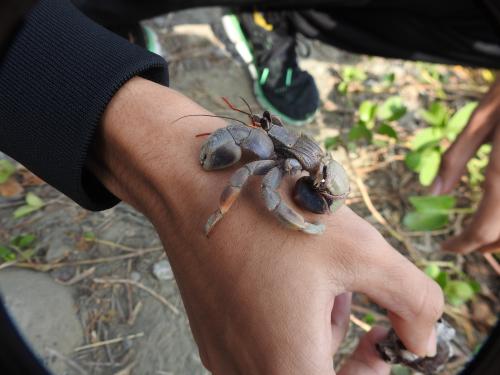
(11, 188)
(29, 179)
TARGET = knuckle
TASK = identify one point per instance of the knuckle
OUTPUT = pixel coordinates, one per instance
(429, 302)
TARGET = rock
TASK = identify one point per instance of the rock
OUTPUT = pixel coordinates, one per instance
(59, 248)
(136, 276)
(45, 313)
(162, 270)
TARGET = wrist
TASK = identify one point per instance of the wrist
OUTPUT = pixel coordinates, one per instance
(147, 158)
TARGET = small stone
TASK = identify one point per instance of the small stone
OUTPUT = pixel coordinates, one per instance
(59, 248)
(136, 276)
(162, 270)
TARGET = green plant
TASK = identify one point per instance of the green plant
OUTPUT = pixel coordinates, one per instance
(33, 203)
(7, 169)
(375, 119)
(349, 75)
(477, 165)
(21, 245)
(372, 119)
(457, 287)
(6, 254)
(430, 212)
(369, 318)
(428, 145)
(89, 236)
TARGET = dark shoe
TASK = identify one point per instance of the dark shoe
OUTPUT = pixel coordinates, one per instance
(267, 46)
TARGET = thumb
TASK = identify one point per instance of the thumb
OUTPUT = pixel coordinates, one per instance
(365, 360)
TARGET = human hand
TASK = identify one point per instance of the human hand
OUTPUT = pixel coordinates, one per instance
(483, 232)
(261, 299)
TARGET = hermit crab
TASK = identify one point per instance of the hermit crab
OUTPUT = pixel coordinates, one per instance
(392, 350)
(279, 152)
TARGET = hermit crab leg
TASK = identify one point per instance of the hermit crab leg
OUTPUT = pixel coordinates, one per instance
(236, 183)
(288, 216)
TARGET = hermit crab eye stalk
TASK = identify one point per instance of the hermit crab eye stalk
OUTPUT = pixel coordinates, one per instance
(264, 123)
(325, 170)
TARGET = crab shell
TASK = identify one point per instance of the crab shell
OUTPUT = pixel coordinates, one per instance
(330, 195)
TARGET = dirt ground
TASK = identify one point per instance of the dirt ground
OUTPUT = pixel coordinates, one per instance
(136, 325)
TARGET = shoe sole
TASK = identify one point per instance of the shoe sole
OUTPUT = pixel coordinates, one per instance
(234, 33)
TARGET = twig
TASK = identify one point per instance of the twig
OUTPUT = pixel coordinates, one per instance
(8, 264)
(110, 341)
(78, 277)
(493, 262)
(44, 267)
(160, 298)
(380, 165)
(364, 326)
(68, 361)
(120, 246)
(133, 314)
(378, 216)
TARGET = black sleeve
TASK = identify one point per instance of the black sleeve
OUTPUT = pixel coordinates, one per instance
(56, 78)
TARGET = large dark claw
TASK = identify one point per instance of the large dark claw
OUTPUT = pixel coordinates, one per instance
(306, 197)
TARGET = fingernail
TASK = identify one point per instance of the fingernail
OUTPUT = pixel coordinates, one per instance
(436, 186)
(432, 344)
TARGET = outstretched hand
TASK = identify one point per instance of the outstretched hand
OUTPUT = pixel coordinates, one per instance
(261, 299)
(483, 232)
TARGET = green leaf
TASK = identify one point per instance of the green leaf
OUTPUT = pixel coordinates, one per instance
(429, 166)
(436, 115)
(476, 287)
(24, 211)
(352, 73)
(360, 131)
(476, 166)
(412, 160)
(342, 87)
(332, 143)
(433, 203)
(424, 221)
(23, 241)
(458, 292)
(369, 319)
(388, 79)
(427, 136)
(89, 236)
(7, 169)
(458, 121)
(6, 254)
(392, 109)
(442, 279)
(388, 130)
(34, 200)
(432, 270)
(400, 370)
(367, 111)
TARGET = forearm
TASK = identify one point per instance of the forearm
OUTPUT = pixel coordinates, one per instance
(148, 159)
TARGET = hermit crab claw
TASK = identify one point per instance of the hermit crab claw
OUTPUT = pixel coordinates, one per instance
(326, 191)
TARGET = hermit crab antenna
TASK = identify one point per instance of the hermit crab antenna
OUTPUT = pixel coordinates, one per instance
(248, 105)
(225, 117)
(234, 108)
